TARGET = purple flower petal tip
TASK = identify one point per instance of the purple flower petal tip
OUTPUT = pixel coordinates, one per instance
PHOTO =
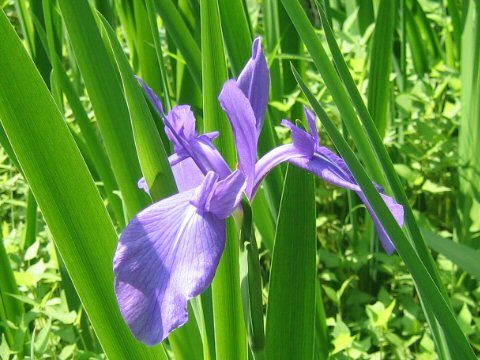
(142, 185)
(151, 94)
(169, 253)
(254, 81)
(242, 118)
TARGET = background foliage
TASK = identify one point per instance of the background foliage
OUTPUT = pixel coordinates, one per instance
(85, 135)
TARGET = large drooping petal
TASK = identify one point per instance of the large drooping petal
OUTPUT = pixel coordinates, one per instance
(242, 119)
(166, 255)
(254, 81)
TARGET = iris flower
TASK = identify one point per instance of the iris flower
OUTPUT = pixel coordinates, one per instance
(170, 251)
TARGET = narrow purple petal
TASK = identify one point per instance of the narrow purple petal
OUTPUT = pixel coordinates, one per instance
(303, 141)
(182, 120)
(397, 212)
(227, 195)
(166, 255)
(254, 81)
(242, 119)
(312, 124)
(271, 159)
(325, 169)
(151, 94)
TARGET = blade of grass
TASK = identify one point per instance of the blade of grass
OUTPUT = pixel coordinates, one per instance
(152, 155)
(469, 133)
(335, 86)
(95, 148)
(147, 57)
(178, 31)
(380, 63)
(65, 192)
(383, 157)
(108, 102)
(290, 326)
(230, 333)
(11, 308)
(236, 33)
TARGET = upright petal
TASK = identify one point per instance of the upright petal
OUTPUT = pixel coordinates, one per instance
(254, 81)
(166, 255)
(242, 118)
(183, 121)
(302, 140)
(312, 124)
(151, 94)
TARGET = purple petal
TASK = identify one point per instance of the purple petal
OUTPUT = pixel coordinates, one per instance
(151, 94)
(227, 195)
(312, 124)
(205, 153)
(397, 212)
(254, 81)
(271, 159)
(302, 140)
(142, 185)
(187, 175)
(166, 255)
(328, 171)
(242, 119)
(182, 122)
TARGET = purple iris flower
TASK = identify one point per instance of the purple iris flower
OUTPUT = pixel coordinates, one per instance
(170, 251)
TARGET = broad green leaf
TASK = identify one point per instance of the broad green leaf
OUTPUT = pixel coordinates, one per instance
(66, 194)
(290, 324)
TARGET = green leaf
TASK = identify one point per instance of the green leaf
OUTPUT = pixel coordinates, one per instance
(290, 325)
(105, 92)
(464, 256)
(380, 63)
(152, 155)
(230, 332)
(178, 30)
(431, 295)
(468, 206)
(236, 33)
(65, 192)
